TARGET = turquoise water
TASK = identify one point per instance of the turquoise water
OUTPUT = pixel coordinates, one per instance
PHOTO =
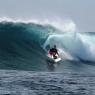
(23, 46)
(24, 69)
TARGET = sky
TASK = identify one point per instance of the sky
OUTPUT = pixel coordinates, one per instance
(82, 12)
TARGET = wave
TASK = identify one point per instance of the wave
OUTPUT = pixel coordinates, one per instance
(75, 45)
(24, 45)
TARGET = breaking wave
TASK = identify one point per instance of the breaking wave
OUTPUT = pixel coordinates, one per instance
(24, 45)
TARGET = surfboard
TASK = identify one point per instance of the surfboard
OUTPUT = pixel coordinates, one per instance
(50, 58)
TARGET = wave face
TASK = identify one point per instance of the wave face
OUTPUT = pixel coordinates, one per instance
(24, 45)
(20, 45)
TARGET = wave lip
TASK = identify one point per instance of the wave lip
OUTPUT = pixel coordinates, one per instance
(66, 24)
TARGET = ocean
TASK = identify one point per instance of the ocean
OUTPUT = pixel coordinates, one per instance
(24, 69)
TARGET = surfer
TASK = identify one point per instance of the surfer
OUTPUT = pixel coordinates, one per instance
(54, 52)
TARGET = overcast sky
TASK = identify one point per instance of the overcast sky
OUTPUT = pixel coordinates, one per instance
(82, 12)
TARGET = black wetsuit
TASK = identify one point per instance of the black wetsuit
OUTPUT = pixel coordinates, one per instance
(53, 51)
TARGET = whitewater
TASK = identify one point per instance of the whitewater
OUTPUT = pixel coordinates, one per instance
(24, 69)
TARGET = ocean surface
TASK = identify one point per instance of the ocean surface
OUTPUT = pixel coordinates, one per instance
(25, 70)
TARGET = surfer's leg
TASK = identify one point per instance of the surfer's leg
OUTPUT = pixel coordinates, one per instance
(54, 56)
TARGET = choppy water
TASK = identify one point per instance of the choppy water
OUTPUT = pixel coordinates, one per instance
(46, 83)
